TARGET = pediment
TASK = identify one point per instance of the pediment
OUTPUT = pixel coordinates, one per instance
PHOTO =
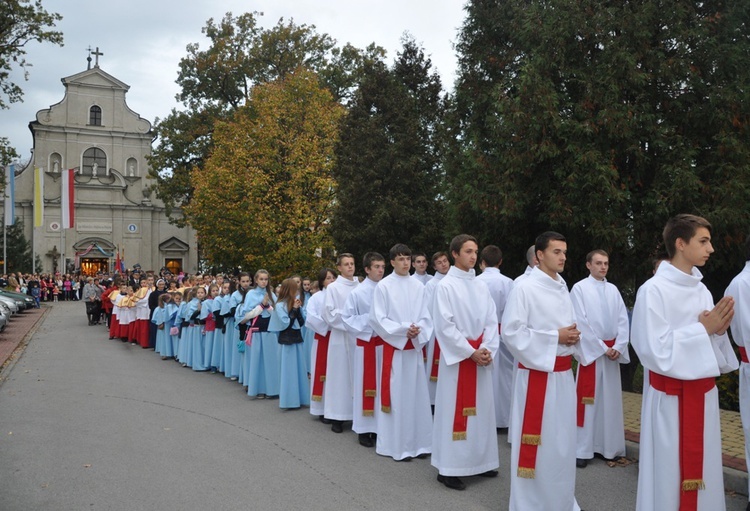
(95, 246)
(174, 244)
(95, 78)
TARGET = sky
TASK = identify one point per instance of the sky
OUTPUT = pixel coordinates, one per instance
(143, 42)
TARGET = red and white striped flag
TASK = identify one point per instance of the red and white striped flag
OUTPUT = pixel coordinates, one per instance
(67, 199)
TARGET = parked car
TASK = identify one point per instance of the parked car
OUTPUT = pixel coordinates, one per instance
(27, 300)
(11, 303)
(4, 318)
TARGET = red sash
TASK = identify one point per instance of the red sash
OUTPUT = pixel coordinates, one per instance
(369, 374)
(691, 402)
(435, 366)
(531, 430)
(385, 375)
(210, 323)
(466, 393)
(743, 355)
(586, 386)
(321, 363)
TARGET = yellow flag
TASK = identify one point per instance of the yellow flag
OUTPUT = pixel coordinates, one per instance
(38, 197)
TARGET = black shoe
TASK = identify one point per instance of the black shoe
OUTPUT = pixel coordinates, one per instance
(365, 440)
(489, 473)
(581, 463)
(337, 426)
(454, 483)
(324, 420)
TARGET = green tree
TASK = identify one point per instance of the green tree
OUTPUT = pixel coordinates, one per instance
(19, 249)
(601, 121)
(218, 80)
(388, 170)
(21, 21)
(264, 198)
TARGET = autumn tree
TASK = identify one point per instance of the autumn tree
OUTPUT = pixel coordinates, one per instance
(602, 121)
(21, 22)
(218, 80)
(264, 197)
(388, 168)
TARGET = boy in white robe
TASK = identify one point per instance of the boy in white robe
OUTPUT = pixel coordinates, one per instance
(367, 351)
(531, 262)
(500, 287)
(539, 329)
(739, 289)
(441, 265)
(318, 357)
(338, 401)
(684, 347)
(399, 316)
(419, 262)
(464, 439)
(602, 318)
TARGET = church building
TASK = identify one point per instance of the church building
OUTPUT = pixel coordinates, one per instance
(93, 131)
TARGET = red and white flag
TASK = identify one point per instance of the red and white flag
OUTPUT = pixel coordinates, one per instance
(67, 199)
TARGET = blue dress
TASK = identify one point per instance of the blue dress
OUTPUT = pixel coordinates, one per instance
(195, 336)
(182, 337)
(217, 355)
(294, 387)
(263, 369)
(162, 336)
(172, 320)
(232, 336)
(209, 331)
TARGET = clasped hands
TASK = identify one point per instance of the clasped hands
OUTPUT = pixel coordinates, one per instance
(717, 320)
(482, 357)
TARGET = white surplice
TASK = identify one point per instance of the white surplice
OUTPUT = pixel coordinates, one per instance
(601, 316)
(429, 292)
(315, 322)
(522, 276)
(406, 431)
(356, 319)
(424, 279)
(500, 287)
(739, 289)
(669, 340)
(463, 310)
(537, 307)
(337, 391)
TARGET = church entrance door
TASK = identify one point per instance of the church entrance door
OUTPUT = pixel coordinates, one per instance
(90, 266)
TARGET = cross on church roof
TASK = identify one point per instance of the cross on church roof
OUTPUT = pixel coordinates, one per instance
(96, 53)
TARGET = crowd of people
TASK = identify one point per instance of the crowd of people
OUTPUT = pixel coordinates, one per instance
(439, 364)
(45, 287)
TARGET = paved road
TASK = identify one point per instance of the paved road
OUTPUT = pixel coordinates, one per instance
(87, 423)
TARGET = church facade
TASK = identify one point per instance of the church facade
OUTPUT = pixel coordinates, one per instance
(93, 131)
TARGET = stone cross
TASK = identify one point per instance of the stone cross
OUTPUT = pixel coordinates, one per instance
(96, 55)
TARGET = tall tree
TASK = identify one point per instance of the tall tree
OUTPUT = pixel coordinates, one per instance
(218, 80)
(263, 200)
(21, 21)
(388, 159)
(601, 121)
(19, 249)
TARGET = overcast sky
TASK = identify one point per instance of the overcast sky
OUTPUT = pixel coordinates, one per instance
(143, 41)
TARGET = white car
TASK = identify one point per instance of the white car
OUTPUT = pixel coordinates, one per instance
(10, 302)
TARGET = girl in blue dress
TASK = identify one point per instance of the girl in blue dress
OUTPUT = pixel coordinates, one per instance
(209, 326)
(287, 320)
(184, 352)
(263, 377)
(195, 330)
(217, 355)
(159, 318)
(174, 321)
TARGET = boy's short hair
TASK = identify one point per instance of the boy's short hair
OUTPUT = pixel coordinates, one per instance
(491, 256)
(371, 257)
(417, 254)
(458, 242)
(598, 251)
(438, 255)
(399, 249)
(542, 241)
(343, 256)
(684, 227)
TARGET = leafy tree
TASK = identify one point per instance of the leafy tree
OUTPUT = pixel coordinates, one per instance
(264, 198)
(217, 81)
(601, 120)
(21, 22)
(19, 249)
(388, 168)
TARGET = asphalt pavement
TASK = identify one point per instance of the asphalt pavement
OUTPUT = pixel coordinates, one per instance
(88, 423)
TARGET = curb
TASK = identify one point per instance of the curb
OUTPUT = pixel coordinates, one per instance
(734, 480)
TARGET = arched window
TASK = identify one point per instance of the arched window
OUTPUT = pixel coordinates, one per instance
(94, 162)
(95, 116)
